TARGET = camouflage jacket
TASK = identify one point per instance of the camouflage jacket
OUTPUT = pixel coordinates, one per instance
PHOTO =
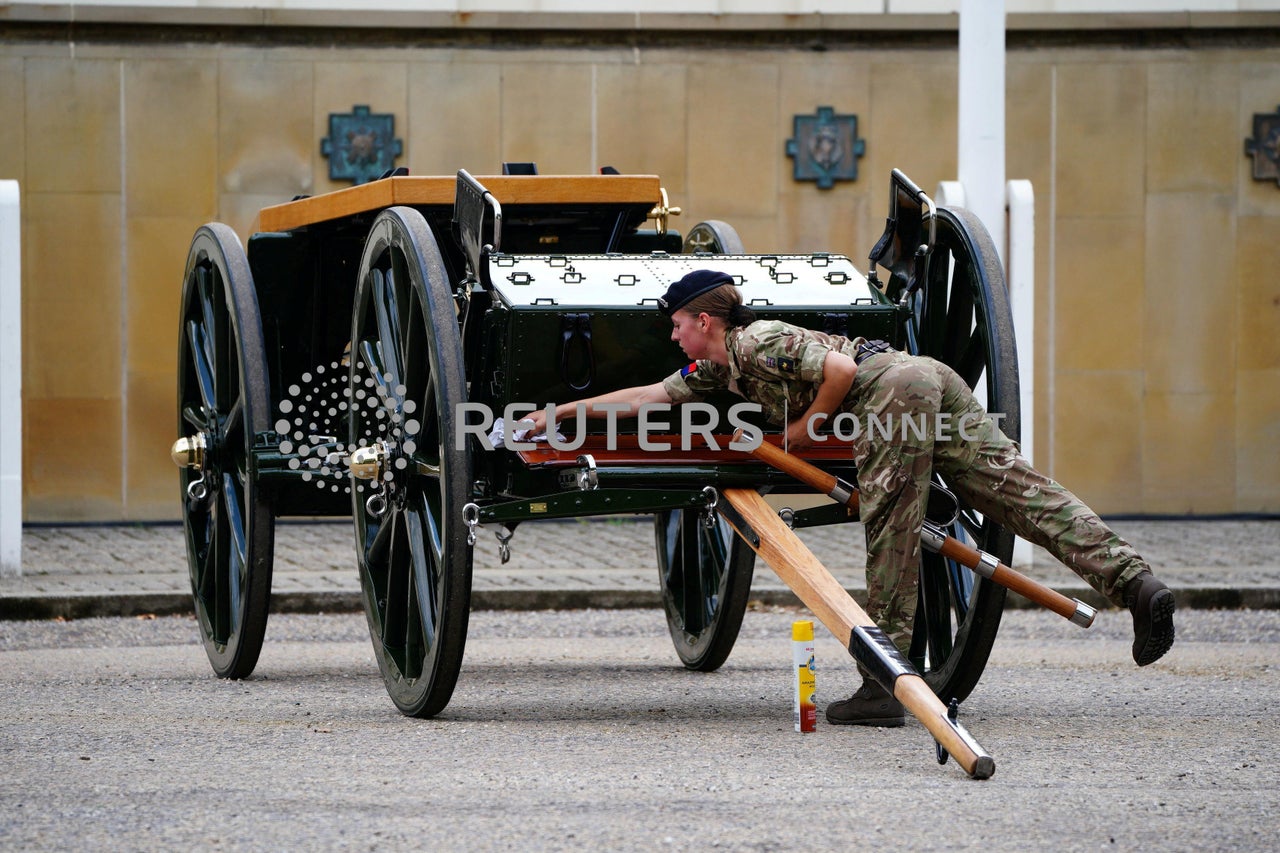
(771, 363)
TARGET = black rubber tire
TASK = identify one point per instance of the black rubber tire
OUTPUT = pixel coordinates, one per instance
(414, 561)
(223, 394)
(962, 318)
(705, 577)
(713, 237)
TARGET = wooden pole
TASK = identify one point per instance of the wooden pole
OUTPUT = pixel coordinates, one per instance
(935, 539)
(759, 526)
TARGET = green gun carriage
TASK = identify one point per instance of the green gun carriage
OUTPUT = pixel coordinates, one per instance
(342, 364)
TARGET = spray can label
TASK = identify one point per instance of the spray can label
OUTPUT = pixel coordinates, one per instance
(802, 664)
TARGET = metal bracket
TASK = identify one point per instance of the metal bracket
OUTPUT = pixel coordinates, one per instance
(471, 518)
(953, 713)
(745, 530)
(587, 478)
(504, 548)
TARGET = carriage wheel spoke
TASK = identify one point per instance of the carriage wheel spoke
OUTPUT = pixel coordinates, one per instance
(237, 561)
(426, 552)
(194, 416)
(201, 363)
(233, 429)
(971, 359)
(206, 562)
(386, 311)
(405, 324)
(691, 583)
(713, 567)
(960, 308)
(392, 605)
(377, 550)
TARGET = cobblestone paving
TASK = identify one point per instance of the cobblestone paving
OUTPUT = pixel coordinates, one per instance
(587, 562)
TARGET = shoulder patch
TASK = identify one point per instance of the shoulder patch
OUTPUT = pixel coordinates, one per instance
(689, 368)
(787, 364)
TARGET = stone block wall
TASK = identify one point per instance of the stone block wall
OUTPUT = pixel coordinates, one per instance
(1158, 307)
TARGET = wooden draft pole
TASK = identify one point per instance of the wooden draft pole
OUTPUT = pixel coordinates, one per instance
(759, 526)
(935, 539)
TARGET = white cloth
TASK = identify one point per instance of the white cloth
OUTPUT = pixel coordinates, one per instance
(497, 435)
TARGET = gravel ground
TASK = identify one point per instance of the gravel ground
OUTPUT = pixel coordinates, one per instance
(579, 731)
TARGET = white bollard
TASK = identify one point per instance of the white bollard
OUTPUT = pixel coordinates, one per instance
(10, 381)
(980, 113)
(1021, 254)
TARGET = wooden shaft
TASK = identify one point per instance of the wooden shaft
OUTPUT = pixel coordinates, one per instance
(948, 546)
(969, 556)
(799, 569)
(810, 475)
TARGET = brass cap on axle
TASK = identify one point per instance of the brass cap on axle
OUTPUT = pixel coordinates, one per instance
(366, 462)
(189, 451)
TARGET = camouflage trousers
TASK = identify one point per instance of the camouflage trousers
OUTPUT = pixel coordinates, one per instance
(918, 417)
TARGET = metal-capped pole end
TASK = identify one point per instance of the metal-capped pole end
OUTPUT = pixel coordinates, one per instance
(984, 766)
(842, 492)
(1084, 614)
(188, 451)
(932, 537)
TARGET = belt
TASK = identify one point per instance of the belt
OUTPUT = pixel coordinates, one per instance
(866, 349)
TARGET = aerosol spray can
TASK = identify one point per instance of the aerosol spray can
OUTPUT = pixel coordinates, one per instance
(806, 713)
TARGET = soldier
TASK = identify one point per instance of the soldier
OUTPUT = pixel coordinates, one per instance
(802, 378)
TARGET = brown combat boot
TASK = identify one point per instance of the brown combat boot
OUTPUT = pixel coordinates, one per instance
(872, 705)
(1152, 606)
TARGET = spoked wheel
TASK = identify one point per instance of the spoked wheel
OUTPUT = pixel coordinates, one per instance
(962, 318)
(406, 383)
(223, 402)
(713, 237)
(705, 575)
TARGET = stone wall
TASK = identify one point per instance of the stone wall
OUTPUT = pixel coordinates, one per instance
(1158, 307)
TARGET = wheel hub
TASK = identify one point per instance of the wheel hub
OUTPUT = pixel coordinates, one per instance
(191, 451)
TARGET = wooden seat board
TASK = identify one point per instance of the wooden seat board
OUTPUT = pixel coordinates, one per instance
(416, 191)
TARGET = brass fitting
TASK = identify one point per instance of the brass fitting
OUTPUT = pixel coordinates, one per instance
(367, 462)
(662, 211)
(189, 451)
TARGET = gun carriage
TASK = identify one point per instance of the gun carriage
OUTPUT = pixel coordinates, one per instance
(338, 363)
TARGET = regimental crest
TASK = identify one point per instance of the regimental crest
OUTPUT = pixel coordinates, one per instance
(825, 148)
(1264, 147)
(362, 146)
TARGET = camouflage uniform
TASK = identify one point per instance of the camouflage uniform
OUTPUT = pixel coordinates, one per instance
(779, 366)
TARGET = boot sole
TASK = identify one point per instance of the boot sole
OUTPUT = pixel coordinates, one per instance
(1160, 631)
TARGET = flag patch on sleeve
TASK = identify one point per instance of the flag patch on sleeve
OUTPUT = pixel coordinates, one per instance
(689, 368)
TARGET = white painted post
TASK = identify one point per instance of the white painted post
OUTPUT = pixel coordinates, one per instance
(1021, 267)
(10, 381)
(980, 157)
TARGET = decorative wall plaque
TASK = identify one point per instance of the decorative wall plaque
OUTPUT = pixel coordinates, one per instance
(1264, 147)
(362, 146)
(825, 148)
